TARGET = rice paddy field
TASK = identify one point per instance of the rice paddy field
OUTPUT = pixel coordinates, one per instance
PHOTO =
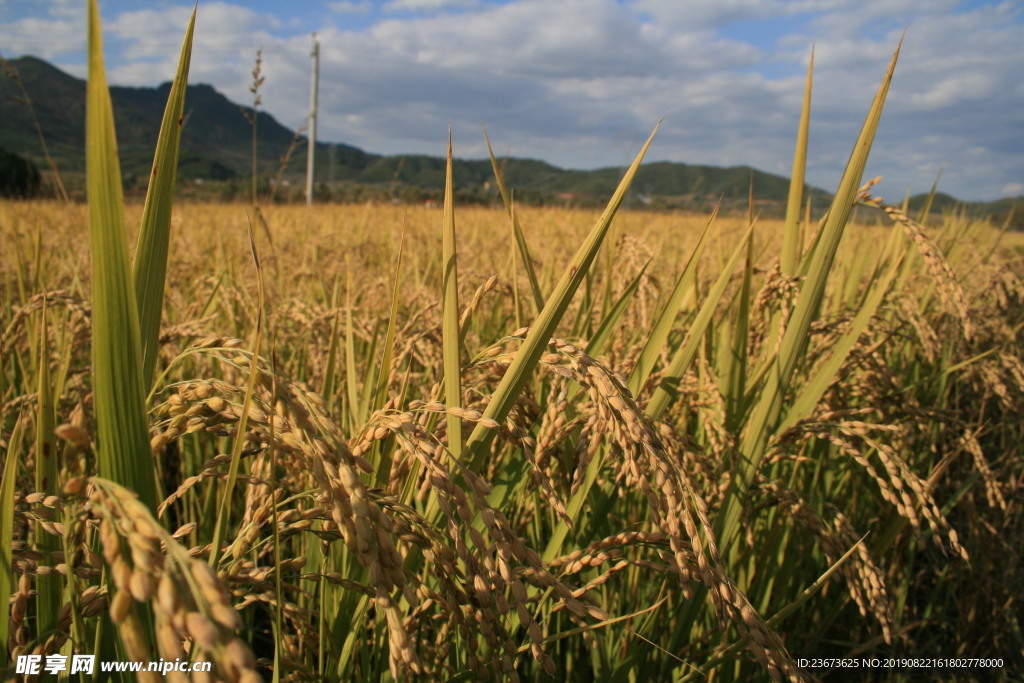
(376, 442)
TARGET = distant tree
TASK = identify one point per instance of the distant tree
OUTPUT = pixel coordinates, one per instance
(19, 177)
(229, 191)
(321, 193)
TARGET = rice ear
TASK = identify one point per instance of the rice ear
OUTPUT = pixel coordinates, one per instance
(549, 318)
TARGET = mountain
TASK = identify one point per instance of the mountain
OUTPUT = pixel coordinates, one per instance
(216, 139)
(216, 145)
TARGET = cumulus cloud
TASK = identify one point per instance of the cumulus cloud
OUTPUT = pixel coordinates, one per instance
(580, 83)
(53, 34)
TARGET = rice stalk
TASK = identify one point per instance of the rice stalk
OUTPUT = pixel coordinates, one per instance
(684, 354)
(540, 332)
(951, 292)
(685, 284)
(224, 509)
(769, 406)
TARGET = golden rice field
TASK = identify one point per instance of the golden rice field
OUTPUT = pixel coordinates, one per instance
(401, 443)
(882, 521)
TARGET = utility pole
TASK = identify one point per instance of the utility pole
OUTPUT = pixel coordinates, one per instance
(312, 120)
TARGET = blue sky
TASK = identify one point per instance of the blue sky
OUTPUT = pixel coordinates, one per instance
(580, 83)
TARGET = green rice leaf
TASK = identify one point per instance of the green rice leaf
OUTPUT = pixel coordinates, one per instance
(382, 450)
(356, 408)
(10, 474)
(667, 389)
(738, 365)
(524, 250)
(48, 588)
(816, 387)
(118, 383)
(150, 266)
(331, 371)
(451, 338)
(599, 339)
(380, 395)
(922, 216)
(794, 206)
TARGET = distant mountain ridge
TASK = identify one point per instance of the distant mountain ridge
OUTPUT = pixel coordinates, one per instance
(217, 137)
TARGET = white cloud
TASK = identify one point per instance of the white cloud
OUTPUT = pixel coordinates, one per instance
(226, 39)
(430, 5)
(52, 34)
(149, 33)
(575, 82)
(955, 89)
(346, 7)
(698, 14)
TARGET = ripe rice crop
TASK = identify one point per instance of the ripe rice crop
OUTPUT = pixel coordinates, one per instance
(462, 443)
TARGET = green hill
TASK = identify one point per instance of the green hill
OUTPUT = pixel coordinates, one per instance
(216, 137)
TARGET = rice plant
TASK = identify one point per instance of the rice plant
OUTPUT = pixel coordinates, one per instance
(468, 443)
